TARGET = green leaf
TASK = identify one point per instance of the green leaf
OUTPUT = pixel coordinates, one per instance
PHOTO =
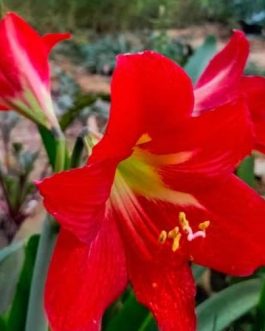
(246, 171)
(10, 267)
(129, 318)
(197, 271)
(149, 324)
(12, 248)
(223, 308)
(260, 317)
(77, 151)
(18, 312)
(199, 60)
(49, 144)
(81, 102)
(2, 324)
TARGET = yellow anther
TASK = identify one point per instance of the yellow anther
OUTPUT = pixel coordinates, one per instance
(173, 233)
(162, 237)
(184, 223)
(204, 225)
(176, 242)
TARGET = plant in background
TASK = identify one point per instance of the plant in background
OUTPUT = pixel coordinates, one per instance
(171, 47)
(17, 190)
(99, 56)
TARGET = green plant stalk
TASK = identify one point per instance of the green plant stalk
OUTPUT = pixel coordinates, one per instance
(36, 319)
(1, 9)
(260, 316)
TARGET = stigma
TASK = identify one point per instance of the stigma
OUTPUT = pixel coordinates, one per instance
(176, 233)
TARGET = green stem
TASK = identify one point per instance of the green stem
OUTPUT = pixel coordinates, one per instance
(146, 322)
(1, 9)
(36, 319)
(60, 155)
(60, 149)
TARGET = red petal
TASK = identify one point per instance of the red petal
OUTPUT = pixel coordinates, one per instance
(51, 39)
(235, 238)
(20, 43)
(220, 82)
(150, 95)
(3, 107)
(234, 241)
(168, 291)
(253, 89)
(216, 140)
(161, 279)
(77, 198)
(84, 279)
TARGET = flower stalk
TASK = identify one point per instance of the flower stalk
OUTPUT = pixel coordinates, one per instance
(36, 319)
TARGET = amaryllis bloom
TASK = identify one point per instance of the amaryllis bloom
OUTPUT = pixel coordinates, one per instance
(157, 192)
(24, 70)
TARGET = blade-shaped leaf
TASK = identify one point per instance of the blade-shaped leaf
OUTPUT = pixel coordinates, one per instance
(260, 315)
(80, 103)
(18, 312)
(2, 324)
(197, 271)
(12, 248)
(129, 318)
(225, 307)
(149, 324)
(246, 171)
(49, 144)
(10, 268)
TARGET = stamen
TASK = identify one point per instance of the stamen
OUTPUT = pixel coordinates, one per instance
(204, 225)
(176, 243)
(184, 223)
(162, 237)
(175, 233)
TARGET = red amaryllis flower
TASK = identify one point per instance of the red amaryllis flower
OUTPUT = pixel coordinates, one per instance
(157, 193)
(24, 70)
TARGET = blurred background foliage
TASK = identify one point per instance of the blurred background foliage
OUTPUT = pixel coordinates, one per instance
(118, 15)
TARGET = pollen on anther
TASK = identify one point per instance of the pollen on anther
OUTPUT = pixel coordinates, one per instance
(173, 233)
(162, 237)
(176, 242)
(183, 221)
(204, 225)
